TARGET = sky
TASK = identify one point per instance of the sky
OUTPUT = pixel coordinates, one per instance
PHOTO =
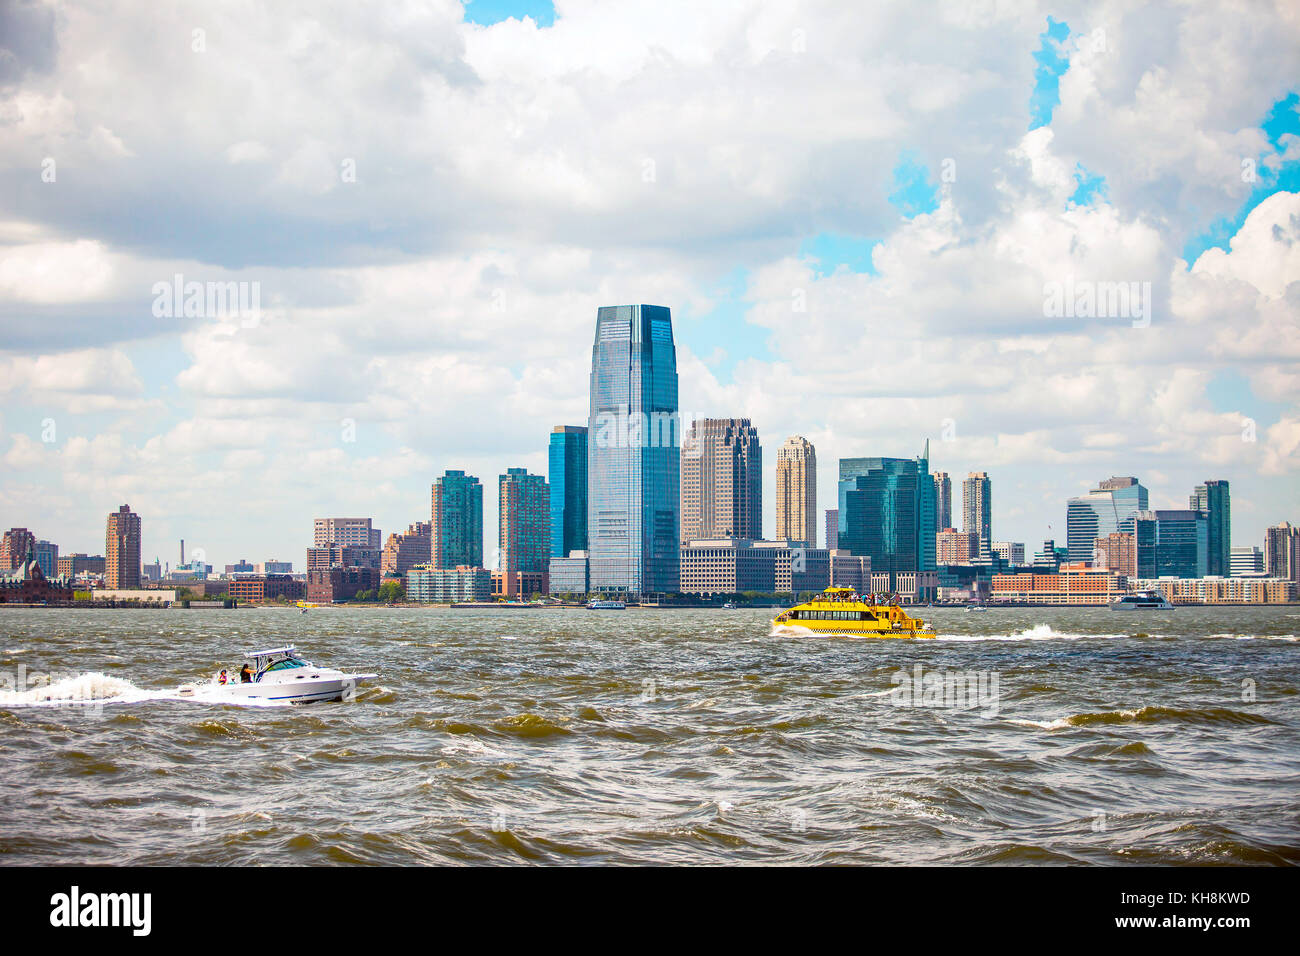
(864, 221)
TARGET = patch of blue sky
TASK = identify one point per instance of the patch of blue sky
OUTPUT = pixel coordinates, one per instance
(1231, 391)
(1282, 119)
(1052, 63)
(833, 250)
(913, 193)
(723, 337)
(487, 12)
(1090, 187)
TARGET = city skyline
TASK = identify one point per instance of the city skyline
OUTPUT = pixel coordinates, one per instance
(865, 283)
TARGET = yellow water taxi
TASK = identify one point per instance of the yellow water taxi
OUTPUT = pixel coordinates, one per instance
(841, 611)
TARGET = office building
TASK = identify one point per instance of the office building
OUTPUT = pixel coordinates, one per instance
(736, 565)
(448, 585)
(832, 529)
(1247, 562)
(1012, 552)
(1170, 543)
(404, 551)
(122, 549)
(722, 480)
(886, 512)
(942, 500)
(633, 453)
(1108, 508)
(567, 467)
(456, 525)
(956, 547)
(1282, 551)
(1214, 501)
(796, 491)
(524, 537)
(569, 575)
(1116, 552)
(16, 544)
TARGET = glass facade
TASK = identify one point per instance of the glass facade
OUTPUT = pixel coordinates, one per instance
(568, 476)
(887, 512)
(633, 453)
(1213, 500)
(1171, 544)
(1108, 508)
(457, 521)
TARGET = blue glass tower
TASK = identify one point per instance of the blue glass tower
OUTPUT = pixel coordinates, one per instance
(568, 479)
(887, 512)
(1108, 508)
(1171, 543)
(633, 453)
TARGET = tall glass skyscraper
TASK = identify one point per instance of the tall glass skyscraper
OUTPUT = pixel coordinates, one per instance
(1108, 508)
(887, 512)
(457, 521)
(568, 477)
(1171, 543)
(633, 453)
(1213, 500)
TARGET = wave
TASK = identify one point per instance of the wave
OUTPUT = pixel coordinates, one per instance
(1150, 714)
(94, 688)
(1039, 632)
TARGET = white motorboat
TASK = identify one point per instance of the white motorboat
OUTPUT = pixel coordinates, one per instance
(605, 605)
(279, 675)
(976, 607)
(1141, 601)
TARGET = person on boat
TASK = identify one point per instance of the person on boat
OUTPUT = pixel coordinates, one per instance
(246, 675)
(223, 677)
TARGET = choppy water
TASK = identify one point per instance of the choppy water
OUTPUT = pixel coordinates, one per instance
(648, 736)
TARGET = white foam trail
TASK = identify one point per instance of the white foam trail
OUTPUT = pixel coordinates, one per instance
(93, 688)
(1039, 632)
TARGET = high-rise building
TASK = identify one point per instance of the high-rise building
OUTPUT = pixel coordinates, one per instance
(14, 546)
(722, 480)
(1247, 562)
(524, 521)
(122, 549)
(886, 512)
(796, 491)
(1214, 501)
(568, 481)
(832, 529)
(633, 454)
(942, 500)
(1012, 552)
(1108, 508)
(343, 532)
(47, 556)
(1282, 551)
(404, 551)
(456, 521)
(1171, 543)
(977, 511)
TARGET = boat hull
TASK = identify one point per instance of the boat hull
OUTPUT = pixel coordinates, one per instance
(301, 691)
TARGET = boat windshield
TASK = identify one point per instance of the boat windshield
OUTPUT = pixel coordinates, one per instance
(285, 664)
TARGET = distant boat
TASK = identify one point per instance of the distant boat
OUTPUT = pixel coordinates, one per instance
(605, 605)
(1141, 601)
(976, 607)
(729, 604)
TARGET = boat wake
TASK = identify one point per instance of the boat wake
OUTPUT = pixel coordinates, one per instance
(93, 689)
(1039, 632)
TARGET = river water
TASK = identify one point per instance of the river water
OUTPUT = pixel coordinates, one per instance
(658, 737)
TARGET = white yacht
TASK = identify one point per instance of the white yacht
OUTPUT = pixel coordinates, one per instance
(1141, 601)
(605, 605)
(278, 675)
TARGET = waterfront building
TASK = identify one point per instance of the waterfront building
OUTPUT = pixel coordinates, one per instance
(242, 567)
(352, 532)
(722, 480)
(338, 583)
(569, 575)
(1107, 508)
(122, 549)
(796, 491)
(519, 585)
(977, 511)
(457, 521)
(1170, 543)
(404, 551)
(524, 537)
(71, 565)
(716, 566)
(886, 512)
(850, 571)
(567, 470)
(1219, 590)
(942, 500)
(1072, 584)
(255, 588)
(448, 585)
(832, 529)
(1247, 562)
(345, 556)
(633, 453)
(28, 584)
(1212, 499)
